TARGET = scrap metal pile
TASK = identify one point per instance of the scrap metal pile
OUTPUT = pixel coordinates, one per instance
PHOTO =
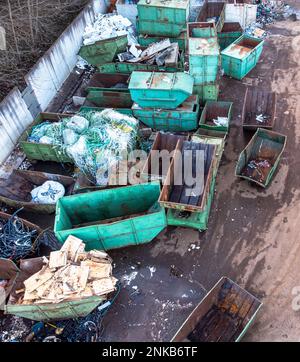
(161, 53)
(257, 169)
(16, 239)
(70, 274)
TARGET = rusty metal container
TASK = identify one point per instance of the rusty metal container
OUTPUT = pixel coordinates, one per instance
(259, 110)
(214, 12)
(212, 111)
(224, 315)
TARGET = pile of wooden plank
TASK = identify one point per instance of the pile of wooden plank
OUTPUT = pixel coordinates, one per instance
(70, 274)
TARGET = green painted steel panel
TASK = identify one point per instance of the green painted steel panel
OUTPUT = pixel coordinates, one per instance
(212, 110)
(176, 11)
(109, 98)
(107, 204)
(201, 30)
(206, 92)
(160, 90)
(272, 144)
(39, 151)
(184, 118)
(146, 40)
(55, 311)
(127, 111)
(165, 29)
(241, 56)
(104, 51)
(128, 68)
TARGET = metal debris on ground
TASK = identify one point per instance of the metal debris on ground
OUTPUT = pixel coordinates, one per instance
(16, 239)
(109, 26)
(263, 118)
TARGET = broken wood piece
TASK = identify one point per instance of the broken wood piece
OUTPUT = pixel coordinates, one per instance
(104, 286)
(97, 270)
(37, 280)
(57, 259)
(71, 247)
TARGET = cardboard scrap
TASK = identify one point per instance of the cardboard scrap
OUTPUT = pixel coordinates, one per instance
(70, 274)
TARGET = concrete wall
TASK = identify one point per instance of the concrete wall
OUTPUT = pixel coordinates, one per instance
(18, 109)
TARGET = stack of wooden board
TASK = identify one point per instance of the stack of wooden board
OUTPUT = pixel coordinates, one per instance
(70, 274)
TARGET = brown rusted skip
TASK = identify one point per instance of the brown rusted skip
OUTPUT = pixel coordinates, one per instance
(107, 81)
(15, 191)
(256, 102)
(223, 315)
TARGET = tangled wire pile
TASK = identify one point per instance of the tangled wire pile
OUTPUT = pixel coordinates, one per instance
(16, 239)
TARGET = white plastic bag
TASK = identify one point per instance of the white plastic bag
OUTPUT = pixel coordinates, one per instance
(49, 193)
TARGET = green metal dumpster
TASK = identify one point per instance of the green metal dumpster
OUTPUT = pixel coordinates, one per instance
(127, 111)
(160, 90)
(223, 315)
(104, 51)
(259, 160)
(213, 11)
(212, 111)
(241, 56)
(203, 54)
(112, 218)
(46, 312)
(162, 18)
(40, 151)
(199, 220)
(229, 33)
(182, 119)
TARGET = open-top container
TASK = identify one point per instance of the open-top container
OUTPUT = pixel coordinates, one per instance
(259, 160)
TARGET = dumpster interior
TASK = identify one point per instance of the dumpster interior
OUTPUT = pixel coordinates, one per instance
(252, 234)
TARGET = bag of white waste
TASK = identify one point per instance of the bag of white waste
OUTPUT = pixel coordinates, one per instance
(47, 140)
(77, 124)
(221, 121)
(70, 136)
(108, 26)
(49, 193)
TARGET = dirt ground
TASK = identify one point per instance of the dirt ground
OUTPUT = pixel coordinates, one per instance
(252, 236)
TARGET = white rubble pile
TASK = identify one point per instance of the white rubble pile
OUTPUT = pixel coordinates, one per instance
(108, 26)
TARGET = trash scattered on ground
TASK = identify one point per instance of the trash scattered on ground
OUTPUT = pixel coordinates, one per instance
(48, 193)
(69, 274)
(95, 141)
(109, 26)
(16, 239)
(25, 165)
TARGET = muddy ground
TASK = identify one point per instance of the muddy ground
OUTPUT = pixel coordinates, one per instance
(252, 236)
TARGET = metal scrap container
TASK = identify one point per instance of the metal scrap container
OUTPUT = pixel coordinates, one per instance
(39, 151)
(229, 33)
(162, 18)
(203, 53)
(213, 11)
(241, 56)
(109, 90)
(183, 118)
(146, 40)
(223, 315)
(212, 111)
(112, 218)
(104, 51)
(259, 160)
(160, 90)
(207, 91)
(259, 109)
(199, 220)
(46, 312)
(155, 169)
(127, 111)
